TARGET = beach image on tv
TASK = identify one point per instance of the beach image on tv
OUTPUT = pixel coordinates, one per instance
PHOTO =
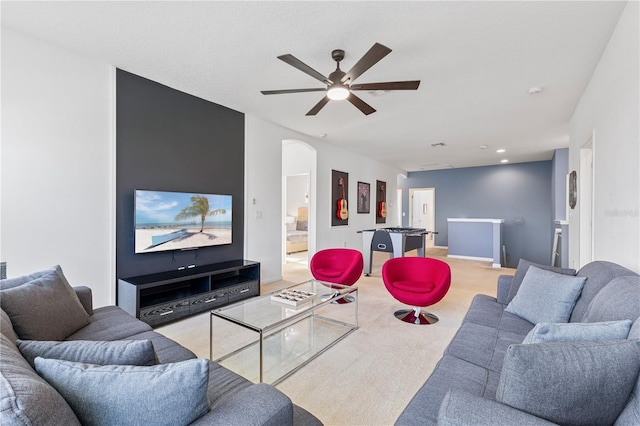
(180, 221)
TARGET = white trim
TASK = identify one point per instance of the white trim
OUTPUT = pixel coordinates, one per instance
(441, 247)
(464, 219)
(455, 256)
(112, 184)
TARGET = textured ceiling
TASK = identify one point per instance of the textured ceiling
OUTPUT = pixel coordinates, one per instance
(476, 61)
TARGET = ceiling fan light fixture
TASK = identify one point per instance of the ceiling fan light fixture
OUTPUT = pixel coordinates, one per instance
(338, 92)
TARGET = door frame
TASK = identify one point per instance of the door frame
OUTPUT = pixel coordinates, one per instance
(432, 225)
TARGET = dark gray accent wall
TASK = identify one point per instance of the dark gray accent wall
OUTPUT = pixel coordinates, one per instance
(519, 193)
(168, 140)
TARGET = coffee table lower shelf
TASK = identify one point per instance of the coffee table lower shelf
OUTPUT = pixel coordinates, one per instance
(266, 341)
(286, 351)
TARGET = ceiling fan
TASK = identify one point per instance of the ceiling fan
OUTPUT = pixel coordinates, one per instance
(340, 84)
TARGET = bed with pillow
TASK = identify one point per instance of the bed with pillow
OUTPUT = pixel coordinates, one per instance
(64, 363)
(298, 238)
(554, 347)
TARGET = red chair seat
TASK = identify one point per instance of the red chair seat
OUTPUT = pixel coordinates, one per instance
(328, 273)
(413, 286)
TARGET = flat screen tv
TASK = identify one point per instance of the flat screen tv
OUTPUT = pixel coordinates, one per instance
(180, 220)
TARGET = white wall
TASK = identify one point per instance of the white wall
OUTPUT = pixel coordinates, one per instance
(610, 107)
(295, 194)
(263, 165)
(57, 164)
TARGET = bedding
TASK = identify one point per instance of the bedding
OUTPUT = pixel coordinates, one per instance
(297, 239)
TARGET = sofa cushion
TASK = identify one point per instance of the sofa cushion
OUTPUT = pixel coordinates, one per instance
(25, 398)
(166, 349)
(631, 413)
(110, 323)
(545, 332)
(461, 409)
(599, 274)
(578, 383)
(634, 333)
(481, 345)
(173, 394)
(120, 352)
(6, 327)
(450, 373)
(620, 299)
(45, 308)
(486, 310)
(546, 296)
(521, 271)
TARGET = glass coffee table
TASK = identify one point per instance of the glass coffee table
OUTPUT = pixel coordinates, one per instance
(267, 340)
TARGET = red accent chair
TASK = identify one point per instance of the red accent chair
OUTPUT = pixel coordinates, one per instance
(337, 265)
(419, 282)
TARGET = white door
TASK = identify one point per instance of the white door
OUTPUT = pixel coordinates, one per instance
(422, 205)
(399, 208)
(585, 201)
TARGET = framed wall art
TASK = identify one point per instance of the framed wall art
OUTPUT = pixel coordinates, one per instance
(381, 201)
(339, 198)
(364, 197)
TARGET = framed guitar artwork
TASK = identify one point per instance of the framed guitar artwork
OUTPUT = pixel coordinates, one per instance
(340, 198)
(381, 202)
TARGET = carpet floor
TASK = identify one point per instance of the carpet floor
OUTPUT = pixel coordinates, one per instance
(370, 376)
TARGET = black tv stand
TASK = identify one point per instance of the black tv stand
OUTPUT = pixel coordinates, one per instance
(166, 296)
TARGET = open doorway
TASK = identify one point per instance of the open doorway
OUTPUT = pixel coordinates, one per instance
(422, 208)
(297, 218)
(298, 205)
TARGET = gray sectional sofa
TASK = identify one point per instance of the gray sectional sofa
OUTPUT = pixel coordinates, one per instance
(488, 376)
(27, 399)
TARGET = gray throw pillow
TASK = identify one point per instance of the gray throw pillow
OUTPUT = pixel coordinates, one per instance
(545, 332)
(25, 397)
(45, 308)
(577, 383)
(166, 394)
(119, 352)
(521, 271)
(8, 283)
(546, 296)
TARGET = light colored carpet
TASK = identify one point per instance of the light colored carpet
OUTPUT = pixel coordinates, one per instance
(370, 376)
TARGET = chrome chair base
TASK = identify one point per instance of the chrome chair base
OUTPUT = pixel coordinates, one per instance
(416, 316)
(346, 299)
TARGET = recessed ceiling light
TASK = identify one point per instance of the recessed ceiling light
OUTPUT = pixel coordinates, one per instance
(535, 90)
(484, 146)
(504, 160)
(501, 150)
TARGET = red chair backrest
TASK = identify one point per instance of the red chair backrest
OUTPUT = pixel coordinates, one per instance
(337, 265)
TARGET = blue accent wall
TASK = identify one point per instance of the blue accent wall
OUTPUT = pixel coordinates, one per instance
(519, 193)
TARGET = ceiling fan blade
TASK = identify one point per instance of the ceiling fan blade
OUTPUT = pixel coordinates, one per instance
(360, 104)
(297, 63)
(373, 55)
(318, 106)
(280, 92)
(390, 85)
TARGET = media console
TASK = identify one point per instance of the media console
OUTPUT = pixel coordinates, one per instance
(166, 296)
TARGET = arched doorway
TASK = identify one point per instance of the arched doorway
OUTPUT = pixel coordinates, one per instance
(298, 202)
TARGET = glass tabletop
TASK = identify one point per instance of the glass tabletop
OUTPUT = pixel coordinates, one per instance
(262, 312)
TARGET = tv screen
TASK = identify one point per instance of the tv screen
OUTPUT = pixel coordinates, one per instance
(180, 220)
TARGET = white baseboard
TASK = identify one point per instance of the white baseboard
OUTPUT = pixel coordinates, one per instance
(486, 259)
